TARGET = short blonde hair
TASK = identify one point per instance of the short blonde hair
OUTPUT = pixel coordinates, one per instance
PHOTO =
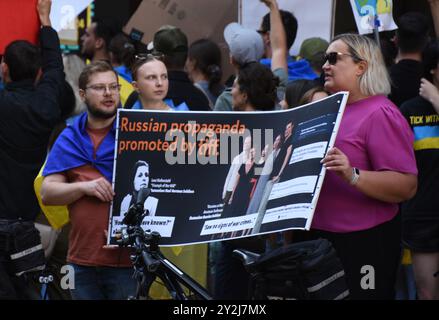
(375, 80)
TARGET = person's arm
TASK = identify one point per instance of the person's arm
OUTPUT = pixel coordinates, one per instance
(49, 40)
(50, 87)
(429, 92)
(56, 190)
(434, 6)
(386, 186)
(43, 9)
(278, 38)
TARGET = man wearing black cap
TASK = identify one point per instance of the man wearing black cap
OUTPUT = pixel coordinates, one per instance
(172, 43)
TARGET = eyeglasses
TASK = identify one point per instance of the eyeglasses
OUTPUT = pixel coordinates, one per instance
(332, 57)
(102, 88)
(150, 56)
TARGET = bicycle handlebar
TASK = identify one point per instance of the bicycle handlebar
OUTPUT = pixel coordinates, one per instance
(150, 262)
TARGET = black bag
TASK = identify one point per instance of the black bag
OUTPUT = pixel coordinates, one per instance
(22, 242)
(308, 270)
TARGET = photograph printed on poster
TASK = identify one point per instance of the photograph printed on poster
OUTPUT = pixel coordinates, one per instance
(207, 176)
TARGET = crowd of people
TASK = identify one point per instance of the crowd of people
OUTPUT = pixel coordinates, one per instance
(377, 198)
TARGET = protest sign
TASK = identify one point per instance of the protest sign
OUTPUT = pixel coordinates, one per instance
(208, 176)
(366, 12)
(65, 20)
(314, 17)
(19, 22)
(64, 13)
(197, 19)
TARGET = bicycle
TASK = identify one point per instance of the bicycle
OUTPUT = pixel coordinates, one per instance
(149, 263)
(305, 270)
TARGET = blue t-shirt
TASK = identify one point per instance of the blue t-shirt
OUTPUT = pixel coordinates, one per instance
(181, 107)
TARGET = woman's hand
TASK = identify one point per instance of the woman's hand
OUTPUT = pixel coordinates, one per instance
(338, 162)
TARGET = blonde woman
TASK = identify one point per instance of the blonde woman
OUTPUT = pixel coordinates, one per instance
(150, 80)
(370, 170)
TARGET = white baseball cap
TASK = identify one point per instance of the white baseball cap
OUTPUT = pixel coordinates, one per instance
(245, 45)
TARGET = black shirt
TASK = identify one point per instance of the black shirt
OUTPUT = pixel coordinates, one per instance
(181, 89)
(424, 121)
(28, 114)
(406, 78)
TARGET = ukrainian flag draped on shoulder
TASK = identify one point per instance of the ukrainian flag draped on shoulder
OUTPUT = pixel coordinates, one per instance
(58, 216)
(74, 148)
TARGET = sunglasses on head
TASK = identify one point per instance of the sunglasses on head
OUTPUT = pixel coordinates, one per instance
(150, 56)
(332, 57)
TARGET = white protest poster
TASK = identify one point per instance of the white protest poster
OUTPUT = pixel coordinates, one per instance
(64, 15)
(199, 177)
(197, 19)
(314, 17)
(365, 12)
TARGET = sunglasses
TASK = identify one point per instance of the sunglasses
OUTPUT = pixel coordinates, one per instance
(332, 57)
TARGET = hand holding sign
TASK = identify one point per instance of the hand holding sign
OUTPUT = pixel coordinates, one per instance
(338, 162)
(43, 8)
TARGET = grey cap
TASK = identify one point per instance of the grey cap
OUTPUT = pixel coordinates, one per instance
(245, 45)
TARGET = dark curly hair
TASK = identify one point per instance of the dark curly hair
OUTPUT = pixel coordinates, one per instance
(260, 84)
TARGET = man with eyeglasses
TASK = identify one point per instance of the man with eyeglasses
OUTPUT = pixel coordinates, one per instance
(78, 174)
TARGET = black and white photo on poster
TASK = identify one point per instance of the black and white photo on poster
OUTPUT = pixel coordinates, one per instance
(206, 176)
